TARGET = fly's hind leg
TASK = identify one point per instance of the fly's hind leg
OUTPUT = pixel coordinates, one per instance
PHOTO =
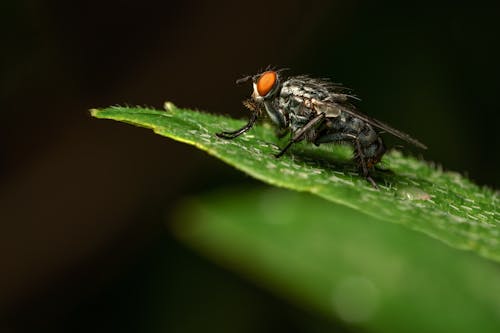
(381, 149)
(348, 137)
(364, 163)
(368, 156)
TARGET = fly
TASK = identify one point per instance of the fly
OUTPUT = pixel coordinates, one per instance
(317, 111)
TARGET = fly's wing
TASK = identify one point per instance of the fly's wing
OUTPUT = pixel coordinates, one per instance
(336, 99)
(383, 126)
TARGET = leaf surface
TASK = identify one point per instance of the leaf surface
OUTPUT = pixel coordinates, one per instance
(414, 193)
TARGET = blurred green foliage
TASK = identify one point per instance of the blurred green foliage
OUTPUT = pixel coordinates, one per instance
(342, 263)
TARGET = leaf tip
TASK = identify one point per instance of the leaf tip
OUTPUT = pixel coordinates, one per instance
(94, 112)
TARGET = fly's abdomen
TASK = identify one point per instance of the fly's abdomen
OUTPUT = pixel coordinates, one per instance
(354, 131)
(372, 146)
(366, 134)
(374, 152)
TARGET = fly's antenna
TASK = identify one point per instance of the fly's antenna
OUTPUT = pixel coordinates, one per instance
(282, 70)
(274, 69)
(244, 79)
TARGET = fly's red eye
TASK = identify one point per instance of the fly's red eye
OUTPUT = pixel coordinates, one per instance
(266, 82)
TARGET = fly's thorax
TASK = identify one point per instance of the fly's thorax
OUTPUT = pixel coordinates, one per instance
(300, 96)
(305, 88)
(297, 121)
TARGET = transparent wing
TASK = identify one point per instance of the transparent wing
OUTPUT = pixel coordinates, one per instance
(337, 101)
(381, 125)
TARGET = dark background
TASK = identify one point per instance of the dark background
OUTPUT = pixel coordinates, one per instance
(83, 202)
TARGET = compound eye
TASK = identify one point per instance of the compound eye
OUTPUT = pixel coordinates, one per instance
(266, 82)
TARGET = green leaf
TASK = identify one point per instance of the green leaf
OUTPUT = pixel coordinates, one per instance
(337, 261)
(443, 205)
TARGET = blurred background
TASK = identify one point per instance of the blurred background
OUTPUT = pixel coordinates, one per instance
(84, 202)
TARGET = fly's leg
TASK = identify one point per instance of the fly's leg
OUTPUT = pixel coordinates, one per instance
(300, 133)
(379, 153)
(364, 167)
(342, 137)
(238, 132)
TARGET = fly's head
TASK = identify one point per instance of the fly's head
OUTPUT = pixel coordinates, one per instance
(266, 85)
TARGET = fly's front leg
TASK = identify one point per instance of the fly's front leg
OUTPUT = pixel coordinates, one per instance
(238, 132)
(300, 133)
